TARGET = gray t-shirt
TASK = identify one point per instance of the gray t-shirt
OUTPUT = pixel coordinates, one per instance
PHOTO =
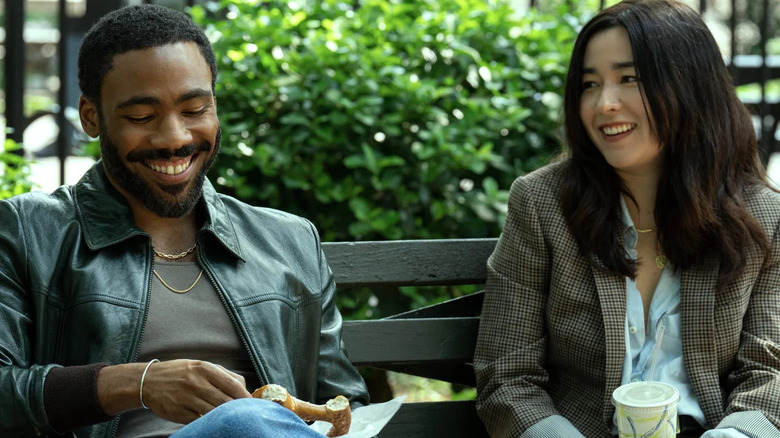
(192, 325)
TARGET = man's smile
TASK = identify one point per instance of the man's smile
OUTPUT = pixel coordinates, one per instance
(170, 167)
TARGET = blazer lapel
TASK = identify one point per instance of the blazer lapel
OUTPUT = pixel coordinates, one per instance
(612, 294)
(697, 311)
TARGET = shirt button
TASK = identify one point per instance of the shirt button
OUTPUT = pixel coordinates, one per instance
(632, 329)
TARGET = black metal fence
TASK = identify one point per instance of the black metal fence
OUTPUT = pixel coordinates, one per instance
(750, 63)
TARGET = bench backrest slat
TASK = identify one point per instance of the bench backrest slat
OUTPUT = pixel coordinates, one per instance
(397, 341)
(409, 262)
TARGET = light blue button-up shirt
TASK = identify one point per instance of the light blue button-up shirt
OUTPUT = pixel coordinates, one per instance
(664, 328)
(663, 319)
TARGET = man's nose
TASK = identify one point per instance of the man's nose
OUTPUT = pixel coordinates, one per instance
(173, 132)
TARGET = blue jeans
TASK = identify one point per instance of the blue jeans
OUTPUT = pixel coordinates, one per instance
(248, 418)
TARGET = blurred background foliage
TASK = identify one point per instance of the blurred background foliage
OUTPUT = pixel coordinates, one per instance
(14, 170)
(391, 119)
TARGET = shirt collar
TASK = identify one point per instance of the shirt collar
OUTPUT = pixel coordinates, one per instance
(629, 231)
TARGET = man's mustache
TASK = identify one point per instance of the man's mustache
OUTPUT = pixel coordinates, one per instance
(167, 154)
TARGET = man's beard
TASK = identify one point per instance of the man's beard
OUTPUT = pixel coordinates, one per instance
(136, 186)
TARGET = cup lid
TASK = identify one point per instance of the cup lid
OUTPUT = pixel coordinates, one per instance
(645, 394)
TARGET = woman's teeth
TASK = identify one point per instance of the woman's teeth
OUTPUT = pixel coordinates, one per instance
(617, 129)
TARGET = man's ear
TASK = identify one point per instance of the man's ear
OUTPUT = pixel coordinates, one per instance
(90, 117)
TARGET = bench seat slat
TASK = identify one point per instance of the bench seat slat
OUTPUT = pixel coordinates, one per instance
(454, 419)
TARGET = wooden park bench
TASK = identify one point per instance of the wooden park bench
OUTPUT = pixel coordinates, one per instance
(434, 342)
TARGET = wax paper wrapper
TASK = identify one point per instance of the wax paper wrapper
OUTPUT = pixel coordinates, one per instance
(367, 421)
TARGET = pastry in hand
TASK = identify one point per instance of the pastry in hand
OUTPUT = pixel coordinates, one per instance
(335, 411)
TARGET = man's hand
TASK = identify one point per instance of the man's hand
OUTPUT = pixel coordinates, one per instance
(178, 390)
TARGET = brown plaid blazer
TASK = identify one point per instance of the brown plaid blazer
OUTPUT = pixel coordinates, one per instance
(551, 339)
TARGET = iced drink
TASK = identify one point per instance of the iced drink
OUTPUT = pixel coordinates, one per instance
(646, 410)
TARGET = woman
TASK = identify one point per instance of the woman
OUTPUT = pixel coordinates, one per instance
(660, 225)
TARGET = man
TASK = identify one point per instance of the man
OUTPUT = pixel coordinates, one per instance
(139, 300)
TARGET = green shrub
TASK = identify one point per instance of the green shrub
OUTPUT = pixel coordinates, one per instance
(395, 119)
(14, 171)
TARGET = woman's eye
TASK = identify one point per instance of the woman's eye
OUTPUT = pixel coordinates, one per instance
(630, 79)
(588, 84)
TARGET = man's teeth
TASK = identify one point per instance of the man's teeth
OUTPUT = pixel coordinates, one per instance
(619, 129)
(170, 169)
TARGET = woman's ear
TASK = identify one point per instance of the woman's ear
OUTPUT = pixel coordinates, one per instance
(90, 117)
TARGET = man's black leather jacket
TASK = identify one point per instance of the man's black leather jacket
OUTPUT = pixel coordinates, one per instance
(75, 275)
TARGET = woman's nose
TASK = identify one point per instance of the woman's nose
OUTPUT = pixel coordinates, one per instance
(609, 99)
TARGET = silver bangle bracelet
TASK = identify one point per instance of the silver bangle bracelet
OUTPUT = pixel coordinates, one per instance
(143, 377)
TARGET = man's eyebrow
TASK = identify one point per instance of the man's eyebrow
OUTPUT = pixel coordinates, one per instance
(138, 100)
(193, 94)
(149, 100)
(615, 66)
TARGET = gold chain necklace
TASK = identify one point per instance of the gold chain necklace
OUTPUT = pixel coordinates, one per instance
(174, 257)
(182, 291)
(660, 257)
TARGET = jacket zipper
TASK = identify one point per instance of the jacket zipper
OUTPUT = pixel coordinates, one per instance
(115, 422)
(261, 375)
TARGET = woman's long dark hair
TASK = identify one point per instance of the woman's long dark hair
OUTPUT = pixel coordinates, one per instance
(710, 154)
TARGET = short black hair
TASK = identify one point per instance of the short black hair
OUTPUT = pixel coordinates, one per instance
(130, 28)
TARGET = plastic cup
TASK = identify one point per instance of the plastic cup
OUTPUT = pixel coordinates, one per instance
(646, 410)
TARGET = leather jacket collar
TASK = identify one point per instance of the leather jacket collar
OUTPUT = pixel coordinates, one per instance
(107, 218)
